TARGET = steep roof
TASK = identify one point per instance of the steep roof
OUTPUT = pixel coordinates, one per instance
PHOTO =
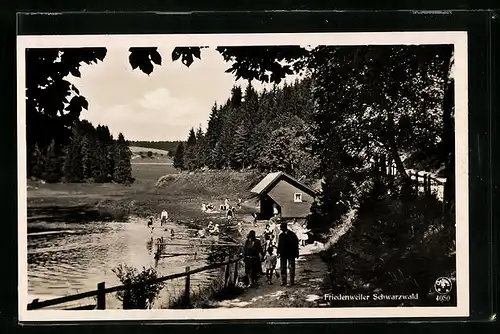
(272, 178)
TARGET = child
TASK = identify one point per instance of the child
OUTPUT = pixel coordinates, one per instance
(150, 224)
(270, 264)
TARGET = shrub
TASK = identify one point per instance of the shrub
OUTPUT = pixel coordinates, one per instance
(140, 296)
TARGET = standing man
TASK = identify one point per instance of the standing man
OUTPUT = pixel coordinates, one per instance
(288, 251)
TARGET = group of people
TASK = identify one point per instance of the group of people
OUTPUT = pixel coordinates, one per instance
(227, 207)
(163, 220)
(212, 229)
(256, 255)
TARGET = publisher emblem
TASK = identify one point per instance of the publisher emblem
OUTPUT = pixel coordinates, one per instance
(443, 285)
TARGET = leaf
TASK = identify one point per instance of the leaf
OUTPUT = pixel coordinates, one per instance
(146, 67)
(196, 52)
(187, 59)
(175, 54)
(133, 60)
(76, 90)
(156, 57)
(76, 72)
(85, 103)
(101, 53)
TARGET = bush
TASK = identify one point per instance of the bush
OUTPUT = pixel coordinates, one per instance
(143, 295)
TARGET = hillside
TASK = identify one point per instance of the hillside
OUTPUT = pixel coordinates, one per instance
(214, 184)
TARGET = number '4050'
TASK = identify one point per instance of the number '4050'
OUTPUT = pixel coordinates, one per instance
(443, 298)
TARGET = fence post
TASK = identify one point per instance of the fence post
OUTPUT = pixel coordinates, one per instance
(32, 305)
(187, 288)
(127, 295)
(101, 296)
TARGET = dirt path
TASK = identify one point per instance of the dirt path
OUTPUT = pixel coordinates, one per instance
(307, 291)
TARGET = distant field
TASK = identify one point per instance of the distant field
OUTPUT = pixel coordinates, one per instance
(150, 173)
(138, 149)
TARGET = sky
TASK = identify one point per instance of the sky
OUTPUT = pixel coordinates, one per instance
(161, 106)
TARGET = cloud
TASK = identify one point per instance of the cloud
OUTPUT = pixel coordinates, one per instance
(157, 99)
(156, 116)
(161, 106)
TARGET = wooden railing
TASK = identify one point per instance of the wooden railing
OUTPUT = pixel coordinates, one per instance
(425, 181)
(101, 291)
(420, 180)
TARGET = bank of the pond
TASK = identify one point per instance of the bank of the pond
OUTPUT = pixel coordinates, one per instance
(180, 194)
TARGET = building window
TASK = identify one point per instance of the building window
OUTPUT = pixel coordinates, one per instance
(297, 197)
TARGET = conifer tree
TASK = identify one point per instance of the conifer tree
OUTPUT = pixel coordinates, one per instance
(122, 168)
(37, 163)
(100, 168)
(87, 145)
(53, 164)
(179, 157)
(190, 159)
(236, 97)
(201, 149)
(240, 146)
(73, 162)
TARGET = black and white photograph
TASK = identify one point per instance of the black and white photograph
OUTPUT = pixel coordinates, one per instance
(251, 176)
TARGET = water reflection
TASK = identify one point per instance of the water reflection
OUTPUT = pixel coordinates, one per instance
(65, 259)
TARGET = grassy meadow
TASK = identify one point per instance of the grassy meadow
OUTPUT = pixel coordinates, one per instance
(156, 187)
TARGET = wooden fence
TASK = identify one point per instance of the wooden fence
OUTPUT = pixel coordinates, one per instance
(101, 291)
(421, 181)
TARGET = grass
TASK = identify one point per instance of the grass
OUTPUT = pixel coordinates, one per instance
(149, 174)
(180, 194)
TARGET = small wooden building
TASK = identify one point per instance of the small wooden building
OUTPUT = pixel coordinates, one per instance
(282, 194)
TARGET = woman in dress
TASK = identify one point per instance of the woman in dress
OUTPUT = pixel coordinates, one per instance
(253, 253)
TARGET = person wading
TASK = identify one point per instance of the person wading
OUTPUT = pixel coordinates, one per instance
(253, 253)
(163, 217)
(288, 251)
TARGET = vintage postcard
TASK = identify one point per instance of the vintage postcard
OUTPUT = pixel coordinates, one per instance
(250, 176)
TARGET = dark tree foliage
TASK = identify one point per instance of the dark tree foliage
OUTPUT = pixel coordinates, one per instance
(179, 156)
(190, 161)
(75, 158)
(144, 58)
(36, 163)
(53, 163)
(52, 102)
(252, 130)
(380, 101)
(264, 63)
(122, 171)
(90, 156)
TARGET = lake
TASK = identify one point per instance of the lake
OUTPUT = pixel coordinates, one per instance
(68, 258)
